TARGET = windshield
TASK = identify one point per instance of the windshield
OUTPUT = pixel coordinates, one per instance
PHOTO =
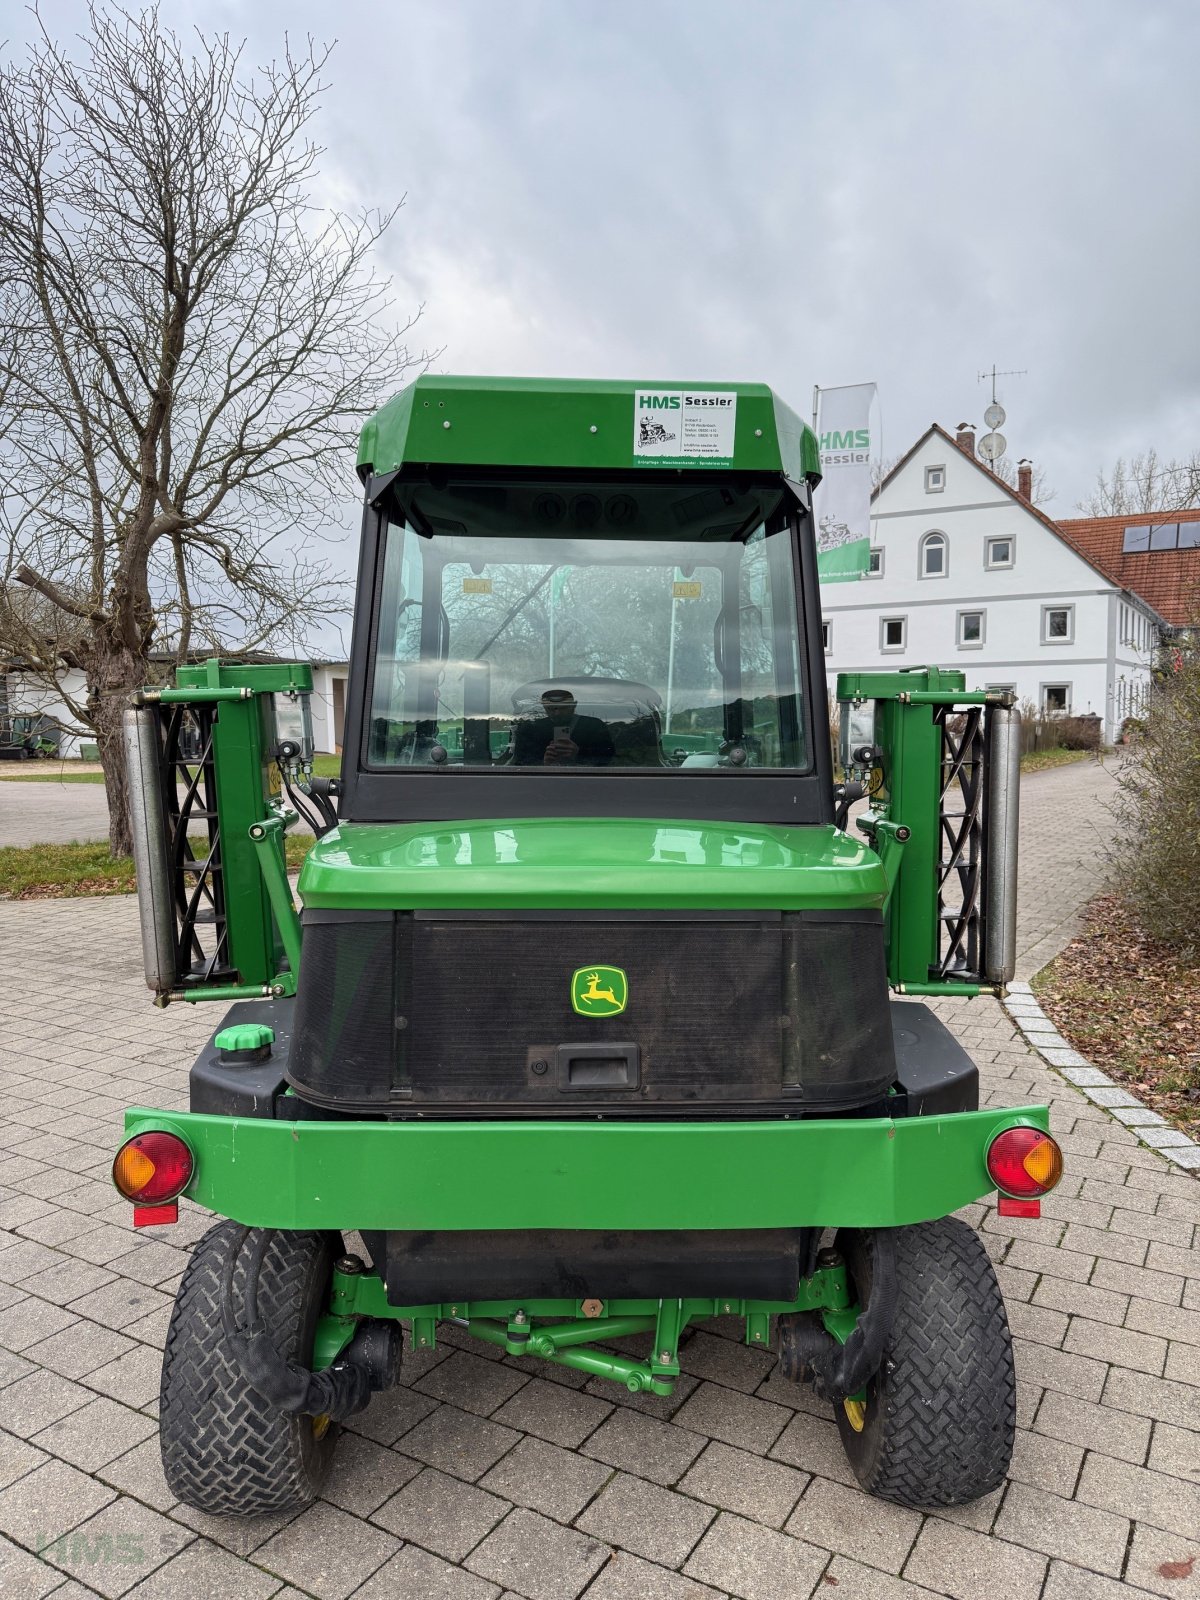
(555, 627)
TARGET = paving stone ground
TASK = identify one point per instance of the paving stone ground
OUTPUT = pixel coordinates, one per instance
(479, 1478)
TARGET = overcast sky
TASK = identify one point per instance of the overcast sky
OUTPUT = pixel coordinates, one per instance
(788, 192)
(800, 194)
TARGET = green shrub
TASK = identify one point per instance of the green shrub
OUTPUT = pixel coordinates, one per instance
(1158, 811)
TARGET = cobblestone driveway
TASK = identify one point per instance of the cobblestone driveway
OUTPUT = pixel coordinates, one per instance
(479, 1477)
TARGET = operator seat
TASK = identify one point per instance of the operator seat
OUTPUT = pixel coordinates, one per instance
(632, 713)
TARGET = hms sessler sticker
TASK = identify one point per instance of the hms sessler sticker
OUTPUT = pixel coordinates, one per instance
(684, 424)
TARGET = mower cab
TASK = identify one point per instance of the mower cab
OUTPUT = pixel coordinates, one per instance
(584, 1029)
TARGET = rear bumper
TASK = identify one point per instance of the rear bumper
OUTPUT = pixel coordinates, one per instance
(448, 1176)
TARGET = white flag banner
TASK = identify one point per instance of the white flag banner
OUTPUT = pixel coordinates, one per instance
(842, 503)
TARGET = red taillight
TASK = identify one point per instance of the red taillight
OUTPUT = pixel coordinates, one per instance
(1024, 1163)
(152, 1168)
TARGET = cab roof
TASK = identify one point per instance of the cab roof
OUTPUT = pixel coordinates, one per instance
(585, 424)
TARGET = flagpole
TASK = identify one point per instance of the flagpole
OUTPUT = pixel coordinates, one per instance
(671, 658)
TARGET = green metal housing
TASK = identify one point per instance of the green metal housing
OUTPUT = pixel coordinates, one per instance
(445, 1176)
(557, 423)
(263, 931)
(909, 797)
(591, 863)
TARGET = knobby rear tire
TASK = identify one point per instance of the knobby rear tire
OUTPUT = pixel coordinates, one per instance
(941, 1411)
(224, 1449)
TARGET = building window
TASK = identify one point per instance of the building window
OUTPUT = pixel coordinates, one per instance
(1000, 688)
(1136, 538)
(935, 480)
(998, 553)
(1058, 624)
(1142, 536)
(893, 633)
(1056, 697)
(875, 562)
(933, 563)
(827, 637)
(970, 629)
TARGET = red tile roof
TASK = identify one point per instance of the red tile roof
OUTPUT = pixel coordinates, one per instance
(1168, 580)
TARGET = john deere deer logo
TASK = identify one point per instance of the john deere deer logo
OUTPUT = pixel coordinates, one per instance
(599, 991)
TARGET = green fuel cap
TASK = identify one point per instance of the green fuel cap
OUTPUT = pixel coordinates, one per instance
(245, 1038)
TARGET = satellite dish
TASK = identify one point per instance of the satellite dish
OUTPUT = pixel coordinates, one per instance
(994, 416)
(992, 446)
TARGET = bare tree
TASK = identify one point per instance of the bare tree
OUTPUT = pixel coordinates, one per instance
(187, 346)
(1145, 483)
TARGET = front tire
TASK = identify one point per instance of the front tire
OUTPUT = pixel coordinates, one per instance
(938, 1424)
(224, 1448)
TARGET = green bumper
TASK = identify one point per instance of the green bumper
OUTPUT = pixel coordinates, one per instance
(447, 1176)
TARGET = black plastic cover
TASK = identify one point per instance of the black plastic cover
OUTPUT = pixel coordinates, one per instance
(427, 1268)
(934, 1074)
(221, 1088)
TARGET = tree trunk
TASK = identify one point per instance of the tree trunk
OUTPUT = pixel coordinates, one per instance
(109, 689)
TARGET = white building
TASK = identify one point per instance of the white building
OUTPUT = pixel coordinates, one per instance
(329, 704)
(23, 694)
(967, 573)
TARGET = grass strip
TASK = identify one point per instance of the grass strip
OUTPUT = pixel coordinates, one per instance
(61, 871)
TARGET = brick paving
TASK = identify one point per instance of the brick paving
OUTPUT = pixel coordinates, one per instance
(479, 1478)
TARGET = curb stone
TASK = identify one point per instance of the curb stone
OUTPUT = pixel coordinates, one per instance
(1152, 1129)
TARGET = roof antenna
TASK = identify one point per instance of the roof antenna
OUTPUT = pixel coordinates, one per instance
(993, 445)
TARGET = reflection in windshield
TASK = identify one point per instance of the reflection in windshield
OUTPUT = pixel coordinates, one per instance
(510, 636)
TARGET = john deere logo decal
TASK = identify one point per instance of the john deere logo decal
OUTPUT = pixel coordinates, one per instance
(599, 991)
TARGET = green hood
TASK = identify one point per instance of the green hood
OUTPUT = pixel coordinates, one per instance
(591, 863)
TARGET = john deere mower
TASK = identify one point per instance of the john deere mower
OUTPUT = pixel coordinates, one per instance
(605, 1011)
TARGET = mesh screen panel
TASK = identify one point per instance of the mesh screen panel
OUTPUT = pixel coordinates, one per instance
(459, 1012)
(344, 1042)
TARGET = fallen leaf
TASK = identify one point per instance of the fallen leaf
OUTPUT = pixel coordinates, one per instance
(1177, 1569)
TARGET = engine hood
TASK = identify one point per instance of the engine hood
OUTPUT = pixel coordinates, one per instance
(600, 863)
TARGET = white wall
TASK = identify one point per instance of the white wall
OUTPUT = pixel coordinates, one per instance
(328, 704)
(28, 697)
(25, 695)
(1015, 650)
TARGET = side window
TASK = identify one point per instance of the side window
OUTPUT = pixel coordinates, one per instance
(998, 552)
(932, 559)
(893, 633)
(971, 629)
(1058, 624)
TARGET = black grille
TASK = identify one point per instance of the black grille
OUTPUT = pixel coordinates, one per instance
(344, 1044)
(449, 1012)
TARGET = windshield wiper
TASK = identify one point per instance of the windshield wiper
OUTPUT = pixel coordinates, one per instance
(520, 606)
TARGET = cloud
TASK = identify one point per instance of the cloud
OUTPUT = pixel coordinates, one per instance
(791, 192)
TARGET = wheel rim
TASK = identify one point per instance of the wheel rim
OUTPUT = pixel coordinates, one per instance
(856, 1414)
